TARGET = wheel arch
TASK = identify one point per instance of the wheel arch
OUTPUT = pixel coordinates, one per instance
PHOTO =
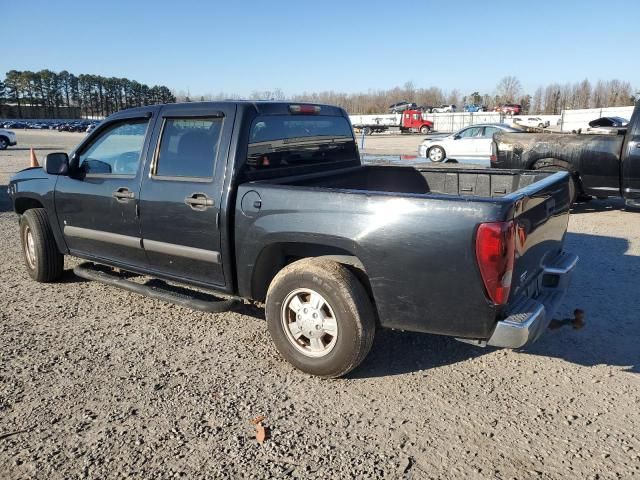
(22, 204)
(275, 256)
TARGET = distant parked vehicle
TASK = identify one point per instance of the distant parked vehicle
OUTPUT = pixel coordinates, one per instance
(469, 145)
(474, 107)
(445, 109)
(533, 122)
(510, 109)
(407, 122)
(401, 107)
(7, 138)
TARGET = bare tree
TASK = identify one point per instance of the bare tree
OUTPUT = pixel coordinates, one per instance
(508, 89)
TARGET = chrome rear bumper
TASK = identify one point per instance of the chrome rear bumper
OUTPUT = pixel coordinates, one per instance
(529, 317)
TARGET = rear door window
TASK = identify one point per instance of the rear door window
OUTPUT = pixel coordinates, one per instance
(188, 147)
(280, 141)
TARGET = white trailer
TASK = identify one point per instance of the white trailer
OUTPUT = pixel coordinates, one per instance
(376, 123)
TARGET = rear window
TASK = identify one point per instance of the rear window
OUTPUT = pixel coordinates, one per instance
(281, 141)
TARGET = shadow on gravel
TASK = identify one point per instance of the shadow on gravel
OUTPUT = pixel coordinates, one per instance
(594, 206)
(397, 353)
(605, 285)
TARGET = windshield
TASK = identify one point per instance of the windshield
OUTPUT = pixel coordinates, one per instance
(280, 141)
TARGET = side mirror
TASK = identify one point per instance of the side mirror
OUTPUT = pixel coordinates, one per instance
(456, 137)
(57, 164)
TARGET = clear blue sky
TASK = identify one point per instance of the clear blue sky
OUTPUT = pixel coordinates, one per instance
(244, 45)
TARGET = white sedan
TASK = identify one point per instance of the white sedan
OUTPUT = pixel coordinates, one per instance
(469, 145)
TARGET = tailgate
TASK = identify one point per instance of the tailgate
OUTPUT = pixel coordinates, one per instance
(541, 216)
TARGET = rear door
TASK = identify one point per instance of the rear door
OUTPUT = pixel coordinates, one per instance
(182, 190)
(96, 204)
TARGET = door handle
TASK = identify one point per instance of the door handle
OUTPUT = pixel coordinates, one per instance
(123, 194)
(199, 201)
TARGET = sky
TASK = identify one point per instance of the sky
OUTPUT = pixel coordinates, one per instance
(237, 47)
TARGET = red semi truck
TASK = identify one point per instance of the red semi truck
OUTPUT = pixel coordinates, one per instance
(409, 121)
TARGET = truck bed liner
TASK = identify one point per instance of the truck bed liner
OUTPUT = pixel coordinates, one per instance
(445, 181)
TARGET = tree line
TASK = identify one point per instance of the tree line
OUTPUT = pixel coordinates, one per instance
(550, 99)
(93, 95)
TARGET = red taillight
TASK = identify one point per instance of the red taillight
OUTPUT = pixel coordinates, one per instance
(304, 108)
(495, 251)
(494, 153)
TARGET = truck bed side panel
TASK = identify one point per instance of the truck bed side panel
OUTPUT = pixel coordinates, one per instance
(417, 252)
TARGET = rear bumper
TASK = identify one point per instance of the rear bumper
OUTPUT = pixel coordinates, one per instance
(529, 317)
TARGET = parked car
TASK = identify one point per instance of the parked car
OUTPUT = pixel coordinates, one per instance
(7, 139)
(532, 122)
(474, 108)
(469, 145)
(401, 107)
(444, 109)
(600, 165)
(269, 201)
(510, 109)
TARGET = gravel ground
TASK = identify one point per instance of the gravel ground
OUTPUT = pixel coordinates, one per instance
(100, 383)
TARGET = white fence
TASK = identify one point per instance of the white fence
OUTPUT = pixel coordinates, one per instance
(574, 120)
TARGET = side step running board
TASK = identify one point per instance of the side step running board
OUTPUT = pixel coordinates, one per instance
(157, 289)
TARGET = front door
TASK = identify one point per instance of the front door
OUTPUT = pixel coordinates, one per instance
(182, 190)
(466, 144)
(96, 204)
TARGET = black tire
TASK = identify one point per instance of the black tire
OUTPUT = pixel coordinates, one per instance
(574, 186)
(368, 131)
(443, 156)
(347, 299)
(4, 143)
(47, 263)
(424, 129)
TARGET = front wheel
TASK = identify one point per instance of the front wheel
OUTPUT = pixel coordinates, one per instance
(436, 154)
(41, 256)
(320, 317)
(4, 143)
(424, 129)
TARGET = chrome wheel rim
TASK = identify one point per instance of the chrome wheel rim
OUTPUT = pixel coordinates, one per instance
(30, 248)
(435, 154)
(309, 323)
(3, 145)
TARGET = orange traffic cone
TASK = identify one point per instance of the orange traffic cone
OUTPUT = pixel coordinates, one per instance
(34, 160)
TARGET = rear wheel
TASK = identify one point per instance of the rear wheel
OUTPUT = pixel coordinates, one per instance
(436, 154)
(320, 317)
(41, 256)
(368, 131)
(574, 186)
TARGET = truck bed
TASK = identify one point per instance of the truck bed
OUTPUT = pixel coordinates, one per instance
(425, 180)
(414, 231)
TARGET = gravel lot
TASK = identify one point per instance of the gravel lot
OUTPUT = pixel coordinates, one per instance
(96, 382)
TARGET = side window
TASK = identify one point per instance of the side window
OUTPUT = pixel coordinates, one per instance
(471, 132)
(489, 131)
(116, 151)
(188, 147)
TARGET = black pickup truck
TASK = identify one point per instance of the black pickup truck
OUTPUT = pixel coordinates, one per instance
(269, 202)
(600, 165)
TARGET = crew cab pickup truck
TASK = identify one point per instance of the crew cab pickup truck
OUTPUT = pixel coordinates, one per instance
(600, 165)
(269, 202)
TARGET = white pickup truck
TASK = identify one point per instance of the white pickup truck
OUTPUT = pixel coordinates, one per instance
(7, 138)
